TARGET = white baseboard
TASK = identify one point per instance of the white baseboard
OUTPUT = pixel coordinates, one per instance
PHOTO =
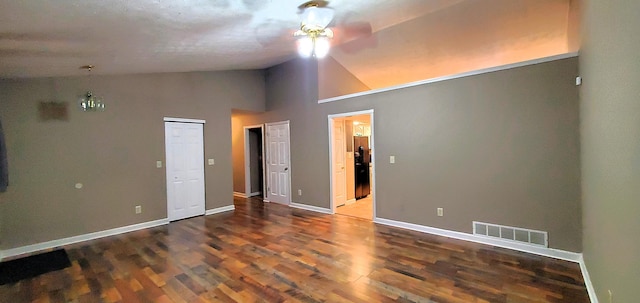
(255, 194)
(219, 210)
(587, 281)
(239, 195)
(80, 238)
(542, 251)
(311, 208)
(351, 201)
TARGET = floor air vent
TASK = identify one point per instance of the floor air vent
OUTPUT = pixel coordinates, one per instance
(521, 235)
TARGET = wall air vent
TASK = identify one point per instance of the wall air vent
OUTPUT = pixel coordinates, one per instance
(514, 234)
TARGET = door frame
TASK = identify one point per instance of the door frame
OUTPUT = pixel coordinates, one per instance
(330, 118)
(268, 156)
(247, 160)
(204, 173)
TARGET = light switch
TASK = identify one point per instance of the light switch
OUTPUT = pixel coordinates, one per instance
(211, 162)
(159, 164)
(392, 159)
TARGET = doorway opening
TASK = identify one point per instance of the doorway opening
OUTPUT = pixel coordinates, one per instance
(352, 168)
(253, 161)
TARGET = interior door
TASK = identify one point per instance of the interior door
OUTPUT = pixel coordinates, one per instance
(185, 170)
(338, 161)
(278, 168)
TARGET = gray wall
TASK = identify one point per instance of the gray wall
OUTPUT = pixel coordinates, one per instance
(501, 147)
(237, 148)
(255, 163)
(292, 95)
(335, 80)
(113, 153)
(610, 128)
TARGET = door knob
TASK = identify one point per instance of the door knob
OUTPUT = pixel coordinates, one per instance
(286, 169)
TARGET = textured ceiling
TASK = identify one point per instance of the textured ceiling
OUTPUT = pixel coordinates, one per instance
(54, 38)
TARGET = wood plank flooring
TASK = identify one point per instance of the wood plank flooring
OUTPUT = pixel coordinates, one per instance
(362, 208)
(271, 253)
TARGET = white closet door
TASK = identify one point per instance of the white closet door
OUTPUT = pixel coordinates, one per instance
(185, 170)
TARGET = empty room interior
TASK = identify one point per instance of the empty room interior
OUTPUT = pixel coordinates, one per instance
(320, 151)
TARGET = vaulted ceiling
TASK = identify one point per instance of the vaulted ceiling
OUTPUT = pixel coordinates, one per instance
(409, 40)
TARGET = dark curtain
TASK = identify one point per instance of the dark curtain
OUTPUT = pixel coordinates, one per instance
(4, 169)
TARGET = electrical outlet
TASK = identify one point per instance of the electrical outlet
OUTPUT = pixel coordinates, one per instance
(138, 209)
(392, 159)
(299, 192)
(158, 164)
(211, 161)
(440, 211)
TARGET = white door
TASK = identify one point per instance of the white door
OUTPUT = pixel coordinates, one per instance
(338, 162)
(185, 169)
(278, 169)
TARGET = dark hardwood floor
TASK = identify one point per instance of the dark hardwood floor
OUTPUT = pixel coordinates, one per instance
(271, 253)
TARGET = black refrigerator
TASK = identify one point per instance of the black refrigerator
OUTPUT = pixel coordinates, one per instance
(362, 159)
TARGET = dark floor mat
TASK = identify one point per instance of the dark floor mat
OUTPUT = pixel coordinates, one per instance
(32, 266)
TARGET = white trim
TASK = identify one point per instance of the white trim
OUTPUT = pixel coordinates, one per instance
(349, 202)
(247, 160)
(81, 238)
(311, 208)
(219, 210)
(184, 120)
(264, 162)
(454, 76)
(239, 195)
(373, 164)
(587, 281)
(255, 194)
(330, 118)
(542, 251)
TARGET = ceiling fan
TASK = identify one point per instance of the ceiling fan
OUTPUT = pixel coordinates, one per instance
(313, 35)
(314, 38)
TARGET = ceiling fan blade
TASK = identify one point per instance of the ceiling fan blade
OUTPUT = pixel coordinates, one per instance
(358, 45)
(349, 32)
(272, 34)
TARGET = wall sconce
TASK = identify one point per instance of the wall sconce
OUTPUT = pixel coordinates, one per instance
(88, 102)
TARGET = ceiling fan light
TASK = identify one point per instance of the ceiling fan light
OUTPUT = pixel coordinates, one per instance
(316, 18)
(321, 47)
(305, 47)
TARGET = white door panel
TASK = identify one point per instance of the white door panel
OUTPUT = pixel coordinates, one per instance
(278, 163)
(339, 172)
(185, 169)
